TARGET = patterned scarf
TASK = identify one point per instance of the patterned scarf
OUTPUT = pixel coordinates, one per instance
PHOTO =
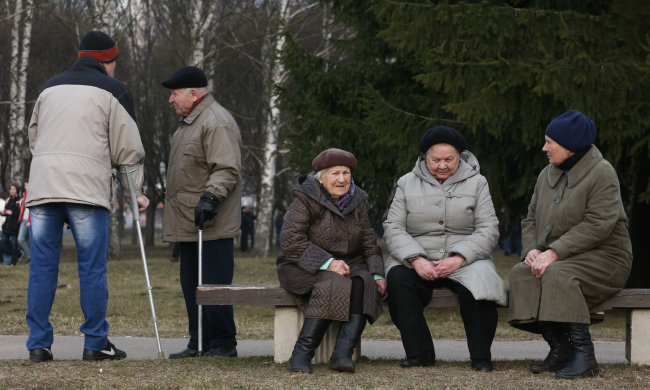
(344, 201)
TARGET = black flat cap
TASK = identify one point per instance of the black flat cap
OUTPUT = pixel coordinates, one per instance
(442, 135)
(186, 77)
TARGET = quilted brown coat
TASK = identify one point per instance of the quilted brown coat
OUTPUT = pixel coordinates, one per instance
(314, 231)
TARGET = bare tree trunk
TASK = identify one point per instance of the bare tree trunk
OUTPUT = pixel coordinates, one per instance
(273, 44)
(20, 48)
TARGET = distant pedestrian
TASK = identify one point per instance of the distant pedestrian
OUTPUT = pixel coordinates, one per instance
(10, 227)
(247, 228)
(83, 125)
(279, 220)
(23, 220)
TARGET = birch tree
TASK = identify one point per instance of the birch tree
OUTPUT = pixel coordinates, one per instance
(20, 47)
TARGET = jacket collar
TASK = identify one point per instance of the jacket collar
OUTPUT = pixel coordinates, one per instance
(196, 111)
(89, 62)
(579, 171)
(311, 187)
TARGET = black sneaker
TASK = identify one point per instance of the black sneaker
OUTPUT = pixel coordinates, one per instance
(39, 355)
(227, 350)
(108, 353)
(186, 353)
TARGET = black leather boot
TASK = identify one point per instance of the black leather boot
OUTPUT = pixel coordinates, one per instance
(347, 338)
(311, 334)
(555, 334)
(583, 363)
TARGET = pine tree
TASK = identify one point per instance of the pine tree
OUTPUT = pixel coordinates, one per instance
(498, 71)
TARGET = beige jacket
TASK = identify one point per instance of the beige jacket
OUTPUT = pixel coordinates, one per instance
(205, 156)
(82, 126)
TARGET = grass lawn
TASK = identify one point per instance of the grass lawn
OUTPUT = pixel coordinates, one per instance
(129, 315)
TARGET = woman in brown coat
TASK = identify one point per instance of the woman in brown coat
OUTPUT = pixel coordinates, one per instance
(576, 248)
(329, 256)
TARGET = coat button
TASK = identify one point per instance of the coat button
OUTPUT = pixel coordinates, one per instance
(557, 200)
(548, 228)
(442, 250)
(440, 222)
(342, 242)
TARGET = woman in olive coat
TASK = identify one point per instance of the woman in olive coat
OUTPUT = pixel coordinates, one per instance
(329, 257)
(576, 248)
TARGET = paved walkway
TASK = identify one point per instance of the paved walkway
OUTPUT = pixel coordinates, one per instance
(71, 347)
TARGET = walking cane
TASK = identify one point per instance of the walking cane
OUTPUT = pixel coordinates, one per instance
(136, 215)
(200, 281)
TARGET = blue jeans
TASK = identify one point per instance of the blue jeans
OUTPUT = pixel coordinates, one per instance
(90, 229)
(22, 238)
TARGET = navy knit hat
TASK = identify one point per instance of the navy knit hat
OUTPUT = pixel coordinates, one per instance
(442, 135)
(186, 77)
(573, 130)
(99, 46)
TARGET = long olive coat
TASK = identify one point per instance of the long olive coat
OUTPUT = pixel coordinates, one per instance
(435, 221)
(314, 231)
(579, 214)
(205, 156)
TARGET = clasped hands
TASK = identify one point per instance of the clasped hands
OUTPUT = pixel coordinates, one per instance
(539, 261)
(343, 269)
(432, 270)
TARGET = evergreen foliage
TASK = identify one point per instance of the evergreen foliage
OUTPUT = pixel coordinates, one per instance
(498, 71)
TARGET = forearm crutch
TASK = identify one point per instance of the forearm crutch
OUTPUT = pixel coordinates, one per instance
(128, 170)
(200, 282)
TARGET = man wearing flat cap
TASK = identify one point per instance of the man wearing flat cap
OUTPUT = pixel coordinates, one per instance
(83, 125)
(203, 192)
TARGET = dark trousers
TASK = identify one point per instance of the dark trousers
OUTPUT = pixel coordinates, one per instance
(218, 267)
(408, 295)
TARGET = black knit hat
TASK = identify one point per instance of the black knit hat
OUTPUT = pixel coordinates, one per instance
(442, 135)
(186, 77)
(333, 157)
(573, 130)
(99, 46)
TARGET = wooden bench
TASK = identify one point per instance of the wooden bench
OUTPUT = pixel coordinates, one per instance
(288, 319)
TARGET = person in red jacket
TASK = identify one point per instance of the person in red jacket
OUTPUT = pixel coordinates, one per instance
(23, 229)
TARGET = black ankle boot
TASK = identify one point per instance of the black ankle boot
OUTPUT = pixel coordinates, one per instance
(347, 338)
(583, 363)
(555, 334)
(311, 334)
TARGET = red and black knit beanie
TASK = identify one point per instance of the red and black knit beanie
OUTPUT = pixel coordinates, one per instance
(99, 46)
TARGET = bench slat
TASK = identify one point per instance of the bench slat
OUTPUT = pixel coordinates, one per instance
(217, 294)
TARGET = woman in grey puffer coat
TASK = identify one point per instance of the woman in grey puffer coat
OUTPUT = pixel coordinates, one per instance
(440, 231)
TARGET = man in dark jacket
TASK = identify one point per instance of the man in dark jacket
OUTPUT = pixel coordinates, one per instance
(83, 125)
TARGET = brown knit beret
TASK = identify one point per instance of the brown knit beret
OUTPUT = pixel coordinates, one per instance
(333, 157)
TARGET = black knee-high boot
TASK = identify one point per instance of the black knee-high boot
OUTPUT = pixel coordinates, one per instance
(583, 363)
(555, 334)
(347, 338)
(311, 334)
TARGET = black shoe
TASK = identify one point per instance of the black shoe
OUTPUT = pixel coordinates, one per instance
(311, 334)
(108, 353)
(39, 355)
(561, 351)
(428, 359)
(186, 353)
(227, 350)
(482, 365)
(346, 340)
(583, 363)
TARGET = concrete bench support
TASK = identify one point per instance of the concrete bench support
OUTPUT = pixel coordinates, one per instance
(637, 341)
(286, 327)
